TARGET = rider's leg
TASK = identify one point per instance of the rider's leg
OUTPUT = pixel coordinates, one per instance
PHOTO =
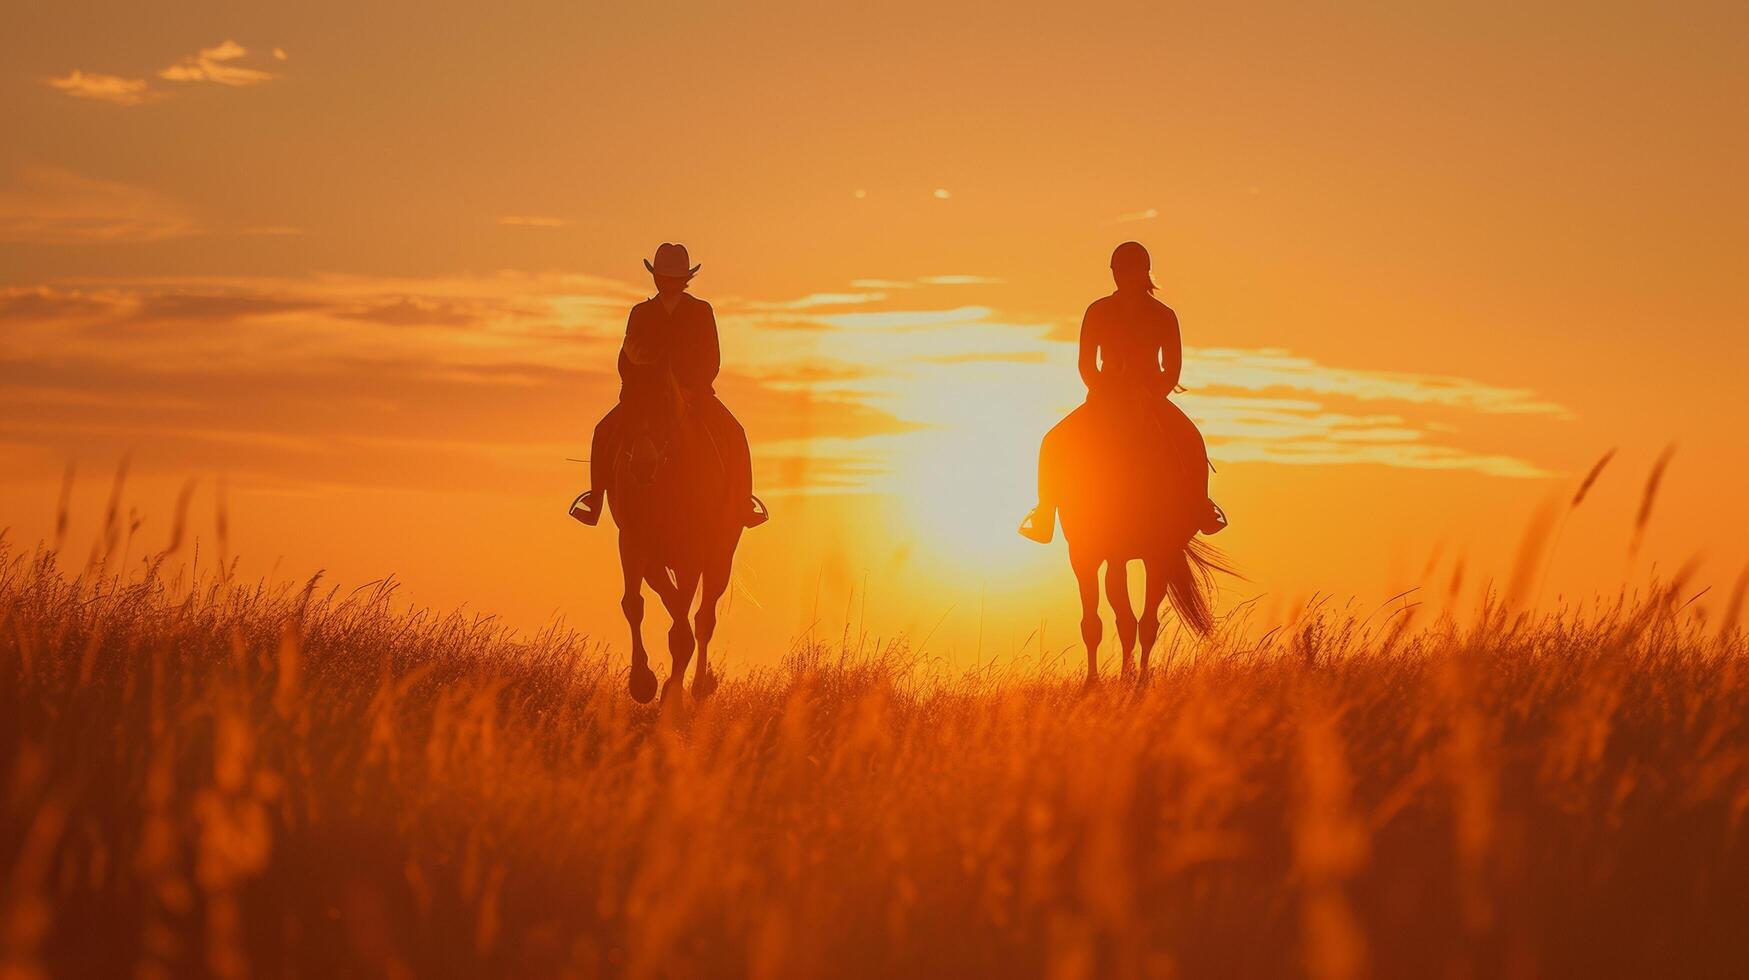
(1041, 521)
(601, 449)
(1188, 445)
(737, 456)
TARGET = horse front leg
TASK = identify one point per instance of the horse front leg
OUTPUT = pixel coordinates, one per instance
(642, 683)
(1117, 590)
(716, 582)
(677, 598)
(1087, 579)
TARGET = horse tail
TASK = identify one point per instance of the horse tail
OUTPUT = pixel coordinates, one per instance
(1190, 573)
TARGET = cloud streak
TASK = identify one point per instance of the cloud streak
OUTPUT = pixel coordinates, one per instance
(478, 382)
(46, 206)
(1274, 369)
(401, 381)
(1146, 214)
(533, 221)
(222, 64)
(218, 64)
(105, 88)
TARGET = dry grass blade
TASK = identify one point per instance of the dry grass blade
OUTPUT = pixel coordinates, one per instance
(1734, 608)
(104, 547)
(63, 512)
(1590, 478)
(1650, 496)
(1530, 553)
(222, 527)
(180, 526)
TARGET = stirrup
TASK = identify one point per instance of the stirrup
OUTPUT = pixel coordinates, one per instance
(759, 514)
(1030, 529)
(586, 508)
(1216, 521)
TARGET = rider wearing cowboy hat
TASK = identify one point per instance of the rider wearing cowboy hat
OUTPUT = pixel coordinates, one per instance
(676, 332)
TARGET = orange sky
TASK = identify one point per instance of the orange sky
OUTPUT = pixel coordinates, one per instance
(371, 271)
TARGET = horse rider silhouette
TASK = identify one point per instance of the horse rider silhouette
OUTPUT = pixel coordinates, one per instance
(1131, 358)
(1128, 471)
(672, 334)
(673, 466)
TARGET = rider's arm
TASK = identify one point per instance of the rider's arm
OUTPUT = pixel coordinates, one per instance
(1171, 355)
(697, 356)
(713, 351)
(625, 353)
(1089, 362)
(637, 348)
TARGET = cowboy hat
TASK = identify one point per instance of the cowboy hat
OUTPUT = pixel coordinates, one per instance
(671, 260)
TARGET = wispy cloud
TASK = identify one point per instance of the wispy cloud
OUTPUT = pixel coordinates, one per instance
(963, 367)
(105, 88)
(904, 319)
(402, 381)
(413, 311)
(219, 65)
(46, 206)
(1146, 214)
(533, 221)
(813, 300)
(960, 281)
(363, 381)
(222, 64)
(954, 280)
(1263, 370)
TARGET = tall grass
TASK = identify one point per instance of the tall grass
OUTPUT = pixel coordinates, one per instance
(223, 779)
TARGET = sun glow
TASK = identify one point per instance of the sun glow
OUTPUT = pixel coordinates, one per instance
(968, 479)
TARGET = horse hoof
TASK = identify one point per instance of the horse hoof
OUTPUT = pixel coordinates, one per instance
(704, 685)
(1090, 684)
(643, 684)
(673, 707)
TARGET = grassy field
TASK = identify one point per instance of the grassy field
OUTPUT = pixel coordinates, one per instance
(236, 780)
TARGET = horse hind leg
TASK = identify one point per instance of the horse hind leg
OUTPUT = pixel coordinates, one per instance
(1152, 597)
(1087, 579)
(716, 582)
(1117, 590)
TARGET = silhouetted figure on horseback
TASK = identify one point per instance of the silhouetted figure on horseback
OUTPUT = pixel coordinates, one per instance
(1128, 470)
(673, 466)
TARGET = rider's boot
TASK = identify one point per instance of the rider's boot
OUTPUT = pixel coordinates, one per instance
(1040, 524)
(587, 507)
(1215, 521)
(757, 513)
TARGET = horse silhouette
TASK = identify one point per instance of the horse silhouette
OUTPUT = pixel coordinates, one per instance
(1127, 471)
(671, 497)
(1128, 506)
